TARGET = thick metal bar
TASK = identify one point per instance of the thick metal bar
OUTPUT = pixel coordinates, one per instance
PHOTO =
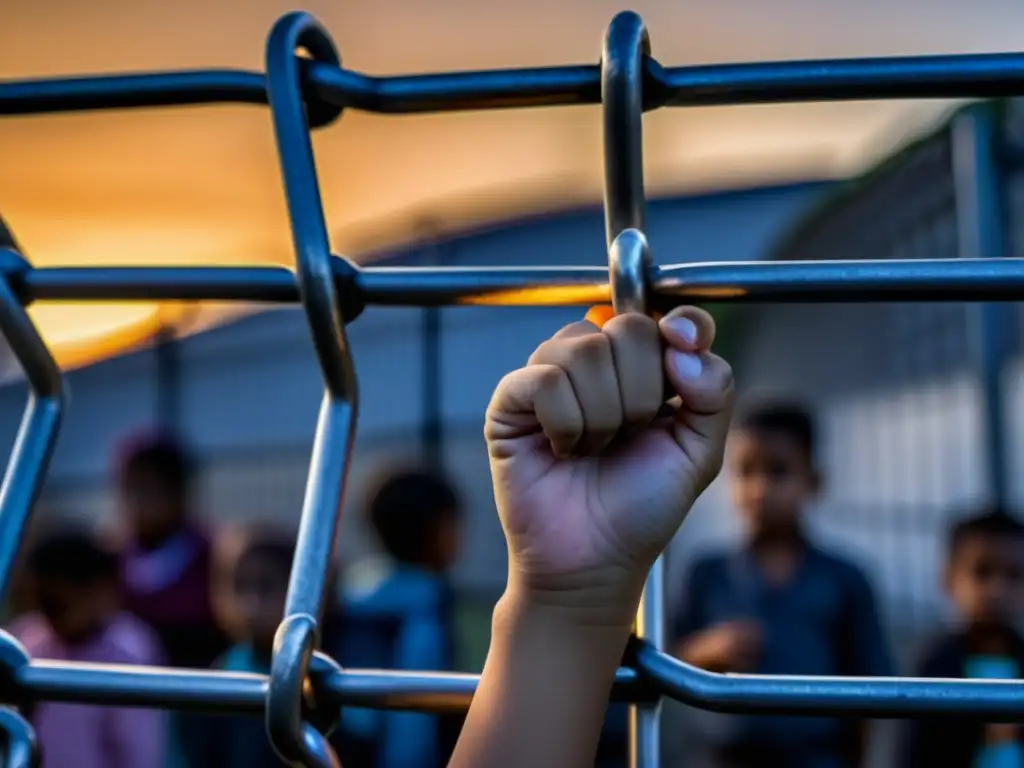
(874, 697)
(913, 77)
(21, 747)
(37, 435)
(107, 684)
(202, 690)
(917, 77)
(295, 741)
(193, 283)
(842, 281)
(245, 693)
(625, 204)
(735, 282)
(146, 89)
(982, 234)
(622, 96)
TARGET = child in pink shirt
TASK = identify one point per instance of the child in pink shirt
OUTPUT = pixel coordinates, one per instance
(79, 619)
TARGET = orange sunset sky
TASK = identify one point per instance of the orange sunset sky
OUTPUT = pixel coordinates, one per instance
(201, 185)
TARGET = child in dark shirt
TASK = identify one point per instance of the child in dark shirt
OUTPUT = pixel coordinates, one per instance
(984, 578)
(404, 617)
(779, 604)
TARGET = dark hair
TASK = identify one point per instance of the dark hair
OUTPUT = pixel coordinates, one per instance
(992, 522)
(74, 557)
(407, 509)
(789, 419)
(162, 455)
(268, 545)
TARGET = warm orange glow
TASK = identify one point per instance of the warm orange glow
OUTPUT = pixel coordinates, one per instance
(723, 292)
(202, 185)
(80, 334)
(564, 295)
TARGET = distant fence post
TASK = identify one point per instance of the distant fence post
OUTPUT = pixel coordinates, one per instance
(431, 332)
(982, 234)
(167, 350)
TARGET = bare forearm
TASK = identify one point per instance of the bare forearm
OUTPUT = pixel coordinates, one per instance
(543, 692)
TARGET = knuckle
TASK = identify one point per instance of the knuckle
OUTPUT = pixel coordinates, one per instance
(548, 378)
(630, 324)
(592, 349)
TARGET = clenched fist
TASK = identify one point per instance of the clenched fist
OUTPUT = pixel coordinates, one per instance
(598, 449)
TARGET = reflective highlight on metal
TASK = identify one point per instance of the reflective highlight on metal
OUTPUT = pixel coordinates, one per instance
(302, 695)
(622, 100)
(22, 748)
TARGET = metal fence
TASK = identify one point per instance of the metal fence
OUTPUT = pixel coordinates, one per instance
(308, 93)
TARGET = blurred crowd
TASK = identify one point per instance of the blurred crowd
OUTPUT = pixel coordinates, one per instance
(167, 592)
(164, 591)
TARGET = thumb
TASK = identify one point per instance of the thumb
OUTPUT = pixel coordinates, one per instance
(703, 383)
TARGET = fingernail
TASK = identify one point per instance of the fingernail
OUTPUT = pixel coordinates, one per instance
(685, 327)
(687, 366)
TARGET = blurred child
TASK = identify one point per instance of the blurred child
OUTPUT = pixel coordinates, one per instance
(258, 591)
(167, 560)
(984, 578)
(404, 617)
(259, 585)
(779, 604)
(77, 591)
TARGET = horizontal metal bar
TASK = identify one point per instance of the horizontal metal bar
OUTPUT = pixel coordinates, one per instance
(124, 91)
(916, 77)
(244, 693)
(878, 697)
(776, 281)
(193, 283)
(434, 692)
(919, 280)
(986, 75)
(212, 691)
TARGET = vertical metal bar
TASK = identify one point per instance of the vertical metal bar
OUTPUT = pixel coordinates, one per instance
(37, 436)
(296, 741)
(982, 234)
(625, 45)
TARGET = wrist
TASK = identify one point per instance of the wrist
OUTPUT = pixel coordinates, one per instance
(524, 629)
(607, 611)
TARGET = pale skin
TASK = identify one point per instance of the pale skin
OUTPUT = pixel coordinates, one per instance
(590, 484)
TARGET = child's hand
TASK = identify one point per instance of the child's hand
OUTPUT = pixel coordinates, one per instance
(734, 646)
(591, 482)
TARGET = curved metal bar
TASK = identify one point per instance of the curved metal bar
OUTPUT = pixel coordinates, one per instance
(37, 435)
(625, 45)
(315, 267)
(325, 486)
(293, 648)
(876, 697)
(622, 98)
(22, 746)
(629, 259)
